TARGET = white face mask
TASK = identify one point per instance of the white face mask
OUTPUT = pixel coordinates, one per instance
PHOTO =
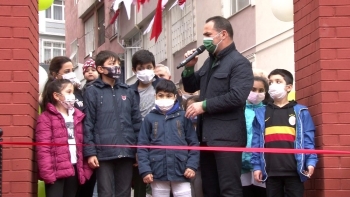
(277, 91)
(165, 104)
(145, 76)
(69, 101)
(72, 78)
(256, 98)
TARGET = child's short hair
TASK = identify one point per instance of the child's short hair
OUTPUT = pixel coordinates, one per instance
(166, 86)
(103, 56)
(142, 57)
(287, 76)
(194, 98)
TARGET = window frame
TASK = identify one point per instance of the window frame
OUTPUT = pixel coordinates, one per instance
(43, 47)
(101, 28)
(92, 30)
(228, 11)
(51, 9)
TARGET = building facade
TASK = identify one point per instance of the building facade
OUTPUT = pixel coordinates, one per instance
(258, 35)
(52, 32)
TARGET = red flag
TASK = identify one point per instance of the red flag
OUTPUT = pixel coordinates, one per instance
(157, 25)
(181, 2)
(115, 16)
(139, 3)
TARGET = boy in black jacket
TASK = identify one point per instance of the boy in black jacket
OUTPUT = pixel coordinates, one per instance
(112, 118)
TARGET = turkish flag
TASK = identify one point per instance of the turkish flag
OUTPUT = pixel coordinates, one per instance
(157, 25)
(139, 3)
(114, 17)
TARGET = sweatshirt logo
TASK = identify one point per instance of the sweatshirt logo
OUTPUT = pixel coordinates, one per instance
(124, 97)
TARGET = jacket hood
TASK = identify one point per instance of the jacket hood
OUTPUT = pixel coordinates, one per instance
(253, 106)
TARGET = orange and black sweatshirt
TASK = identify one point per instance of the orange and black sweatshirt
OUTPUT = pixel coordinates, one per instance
(280, 133)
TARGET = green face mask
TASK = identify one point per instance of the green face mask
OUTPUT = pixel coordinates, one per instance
(208, 43)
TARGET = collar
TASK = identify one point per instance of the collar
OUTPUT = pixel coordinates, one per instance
(252, 106)
(224, 52)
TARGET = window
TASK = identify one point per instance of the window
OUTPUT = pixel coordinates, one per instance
(52, 49)
(231, 7)
(89, 35)
(133, 46)
(101, 25)
(56, 11)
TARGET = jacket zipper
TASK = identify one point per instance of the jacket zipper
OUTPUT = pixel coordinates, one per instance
(301, 141)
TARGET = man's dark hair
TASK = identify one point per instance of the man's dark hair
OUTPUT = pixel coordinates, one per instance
(142, 57)
(166, 86)
(221, 23)
(103, 56)
(287, 76)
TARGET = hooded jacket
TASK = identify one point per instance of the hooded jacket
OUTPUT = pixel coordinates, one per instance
(112, 118)
(171, 129)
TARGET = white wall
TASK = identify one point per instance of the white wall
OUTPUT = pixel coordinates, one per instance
(274, 40)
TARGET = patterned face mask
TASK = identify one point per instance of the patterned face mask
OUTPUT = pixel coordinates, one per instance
(113, 72)
(69, 101)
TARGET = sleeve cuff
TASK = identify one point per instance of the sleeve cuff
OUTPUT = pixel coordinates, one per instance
(145, 174)
(204, 105)
(188, 71)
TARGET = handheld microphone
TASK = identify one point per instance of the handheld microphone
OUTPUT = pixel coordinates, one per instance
(198, 51)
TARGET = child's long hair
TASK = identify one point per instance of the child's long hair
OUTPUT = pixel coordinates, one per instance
(55, 66)
(54, 86)
(266, 87)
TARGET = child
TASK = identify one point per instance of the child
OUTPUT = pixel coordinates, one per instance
(61, 167)
(90, 73)
(166, 125)
(113, 118)
(283, 124)
(61, 67)
(255, 100)
(143, 65)
(188, 102)
(183, 95)
(196, 182)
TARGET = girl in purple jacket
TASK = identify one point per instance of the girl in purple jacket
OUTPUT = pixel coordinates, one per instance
(62, 168)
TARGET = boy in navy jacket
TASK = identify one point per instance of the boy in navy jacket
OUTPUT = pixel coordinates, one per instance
(283, 124)
(166, 125)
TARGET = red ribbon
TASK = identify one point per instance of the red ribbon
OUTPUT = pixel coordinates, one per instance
(226, 149)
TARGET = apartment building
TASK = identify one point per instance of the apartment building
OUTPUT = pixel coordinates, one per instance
(263, 39)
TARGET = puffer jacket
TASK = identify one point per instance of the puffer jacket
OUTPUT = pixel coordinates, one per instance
(112, 118)
(172, 129)
(54, 161)
(249, 117)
